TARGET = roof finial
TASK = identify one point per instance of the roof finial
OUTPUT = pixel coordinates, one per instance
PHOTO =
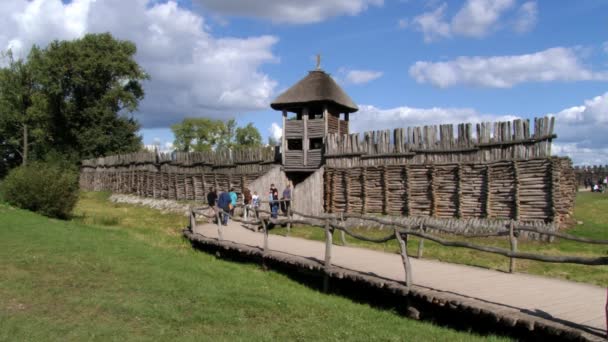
(318, 61)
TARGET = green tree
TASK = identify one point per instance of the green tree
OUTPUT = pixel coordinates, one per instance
(88, 87)
(248, 136)
(20, 125)
(197, 134)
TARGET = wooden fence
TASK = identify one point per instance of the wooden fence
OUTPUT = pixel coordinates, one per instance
(522, 190)
(438, 144)
(401, 232)
(179, 176)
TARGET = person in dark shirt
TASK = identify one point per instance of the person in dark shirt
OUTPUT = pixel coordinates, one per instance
(274, 205)
(212, 201)
(224, 203)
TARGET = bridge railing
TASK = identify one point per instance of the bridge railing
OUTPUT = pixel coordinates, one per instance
(398, 231)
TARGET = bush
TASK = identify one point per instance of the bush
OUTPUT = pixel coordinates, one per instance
(46, 188)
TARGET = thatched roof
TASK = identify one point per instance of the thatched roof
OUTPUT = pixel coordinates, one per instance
(316, 87)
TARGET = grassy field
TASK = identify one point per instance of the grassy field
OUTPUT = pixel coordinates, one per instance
(591, 209)
(120, 272)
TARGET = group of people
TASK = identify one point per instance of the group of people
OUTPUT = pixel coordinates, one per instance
(225, 203)
(600, 186)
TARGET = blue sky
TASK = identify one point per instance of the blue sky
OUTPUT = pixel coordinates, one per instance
(404, 62)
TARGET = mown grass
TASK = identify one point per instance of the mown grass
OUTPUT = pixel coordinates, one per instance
(591, 209)
(122, 272)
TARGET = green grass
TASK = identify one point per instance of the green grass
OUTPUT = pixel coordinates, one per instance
(121, 272)
(591, 209)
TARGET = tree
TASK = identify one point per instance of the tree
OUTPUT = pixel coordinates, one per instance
(248, 136)
(272, 141)
(88, 87)
(20, 125)
(197, 134)
(202, 134)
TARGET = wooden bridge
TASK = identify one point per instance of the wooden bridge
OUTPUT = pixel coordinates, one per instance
(524, 304)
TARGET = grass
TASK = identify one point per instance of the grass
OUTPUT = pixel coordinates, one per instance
(591, 209)
(122, 272)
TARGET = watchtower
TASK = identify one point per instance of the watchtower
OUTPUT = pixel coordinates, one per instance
(318, 106)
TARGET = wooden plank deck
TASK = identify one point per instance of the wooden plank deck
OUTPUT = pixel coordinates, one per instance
(574, 304)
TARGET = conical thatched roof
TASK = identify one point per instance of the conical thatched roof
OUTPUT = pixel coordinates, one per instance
(316, 87)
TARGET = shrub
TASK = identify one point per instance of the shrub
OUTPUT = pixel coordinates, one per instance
(46, 188)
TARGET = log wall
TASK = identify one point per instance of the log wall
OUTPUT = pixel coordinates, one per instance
(178, 176)
(442, 144)
(524, 190)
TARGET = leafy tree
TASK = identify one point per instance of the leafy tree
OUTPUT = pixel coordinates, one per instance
(88, 87)
(20, 125)
(202, 134)
(197, 134)
(248, 136)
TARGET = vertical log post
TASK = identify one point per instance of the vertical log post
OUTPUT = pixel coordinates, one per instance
(289, 217)
(192, 220)
(265, 225)
(220, 232)
(342, 234)
(327, 264)
(406, 261)
(513, 241)
(420, 244)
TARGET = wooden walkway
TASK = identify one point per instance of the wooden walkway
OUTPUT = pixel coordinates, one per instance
(573, 304)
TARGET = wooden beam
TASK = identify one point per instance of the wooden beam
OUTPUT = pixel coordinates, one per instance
(283, 139)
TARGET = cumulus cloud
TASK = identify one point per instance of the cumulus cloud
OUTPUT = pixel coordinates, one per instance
(526, 17)
(289, 11)
(555, 64)
(373, 118)
(432, 24)
(476, 18)
(360, 76)
(276, 132)
(193, 73)
(581, 129)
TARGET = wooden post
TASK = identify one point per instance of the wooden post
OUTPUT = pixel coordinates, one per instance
(327, 264)
(305, 136)
(265, 235)
(513, 241)
(420, 244)
(220, 233)
(289, 217)
(342, 234)
(283, 139)
(404, 257)
(192, 220)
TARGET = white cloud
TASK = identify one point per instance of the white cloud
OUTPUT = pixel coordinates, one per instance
(403, 23)
(290, 11)
(526, 17)
(555, 64)
(372, 118)
(476, 18)
(361, 76)
(276, 132)
(193, 73)
(581, 129)
(432, 24)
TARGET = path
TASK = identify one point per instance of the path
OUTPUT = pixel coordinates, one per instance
(565, 301)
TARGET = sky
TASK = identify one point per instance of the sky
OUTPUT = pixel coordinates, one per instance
(404, 62)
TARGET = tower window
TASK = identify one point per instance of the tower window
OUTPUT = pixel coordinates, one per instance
(294, 144)
(316, 144)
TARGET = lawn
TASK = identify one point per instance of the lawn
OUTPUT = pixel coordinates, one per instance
(122, 272)
(591, 209)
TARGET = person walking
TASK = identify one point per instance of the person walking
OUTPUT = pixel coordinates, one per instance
(224, 203)
(274, 204)
(212, 201)
(247, 202)
(286, 199)
(233, 199)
